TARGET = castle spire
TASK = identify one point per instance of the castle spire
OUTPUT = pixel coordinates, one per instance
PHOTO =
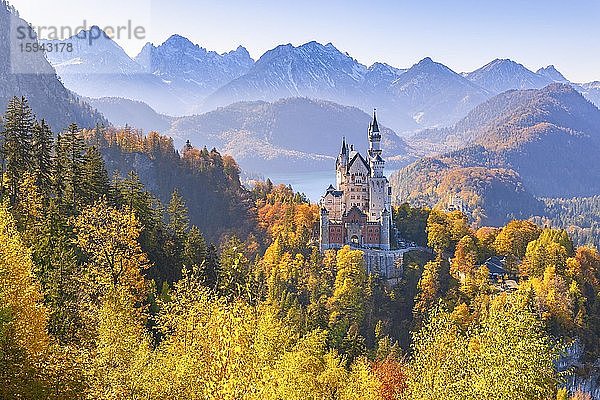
(374, 124)
(344, 147)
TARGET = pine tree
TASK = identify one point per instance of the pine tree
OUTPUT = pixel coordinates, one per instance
(95, 182)
(177, 230)
(58, 168)
(17, 147)
(195, 250)
(234, 271)
(42, 143)
(178, 217)
(70, 156)
(132, 192)
(211, 266)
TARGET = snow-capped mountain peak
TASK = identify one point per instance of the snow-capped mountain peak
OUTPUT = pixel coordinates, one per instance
(311, 69)
(93, 52)
(182, 63)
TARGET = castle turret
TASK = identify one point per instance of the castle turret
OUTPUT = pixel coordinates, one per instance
(385, 229)
(341, 164)
(374, 137)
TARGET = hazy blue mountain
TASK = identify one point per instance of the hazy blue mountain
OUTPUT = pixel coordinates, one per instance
(380, 76)
(295, 134)
(30, 75)
(122, 112)
(591, 91)
(172, 78)
(179, 77)
(551, 72)
(426, 94)
(101, 68)
(93, 52)
(433, 94)
(311, 70)
(501, 75)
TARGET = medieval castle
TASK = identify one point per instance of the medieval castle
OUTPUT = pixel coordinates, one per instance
(357, 212)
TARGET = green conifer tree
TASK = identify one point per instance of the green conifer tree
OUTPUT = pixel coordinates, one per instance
(42, 143)
(70, 158)
(17, 148)
(178, 220)
(195, 250)
(95, 178)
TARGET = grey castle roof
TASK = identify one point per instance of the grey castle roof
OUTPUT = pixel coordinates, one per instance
(374, 126)
(333, 191)
(357, 156)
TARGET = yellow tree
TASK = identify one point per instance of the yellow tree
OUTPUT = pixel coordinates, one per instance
(24, 341)
(439, 233)
(109, 237)
(121, 357)
(306, 371)
(513, 239)
(453, 362)
(351, 294)
(362, 384)
(212, 348)
(465, 256)
(31, 203)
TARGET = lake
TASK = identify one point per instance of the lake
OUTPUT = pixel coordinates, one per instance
(312, 184)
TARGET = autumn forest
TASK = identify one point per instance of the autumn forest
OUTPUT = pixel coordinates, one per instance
(180, 282)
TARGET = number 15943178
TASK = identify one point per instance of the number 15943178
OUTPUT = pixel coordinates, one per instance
(46, 47)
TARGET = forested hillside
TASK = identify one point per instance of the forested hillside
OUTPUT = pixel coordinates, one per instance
(107, 294)
(545, 140)
(579, 215)
(208, 182)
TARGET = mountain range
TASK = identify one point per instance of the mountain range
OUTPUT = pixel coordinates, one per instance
(518, 146)
(30, 75)
(294, 134)
(179, 78)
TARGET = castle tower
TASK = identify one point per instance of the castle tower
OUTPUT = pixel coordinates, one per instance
(376, 163)
(374, 138)
(385, 229)
(378, 183)
(324, 229)
(341, 164)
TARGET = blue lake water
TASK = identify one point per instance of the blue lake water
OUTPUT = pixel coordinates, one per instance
(312, 184)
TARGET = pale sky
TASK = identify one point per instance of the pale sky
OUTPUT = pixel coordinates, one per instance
(462, 34)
